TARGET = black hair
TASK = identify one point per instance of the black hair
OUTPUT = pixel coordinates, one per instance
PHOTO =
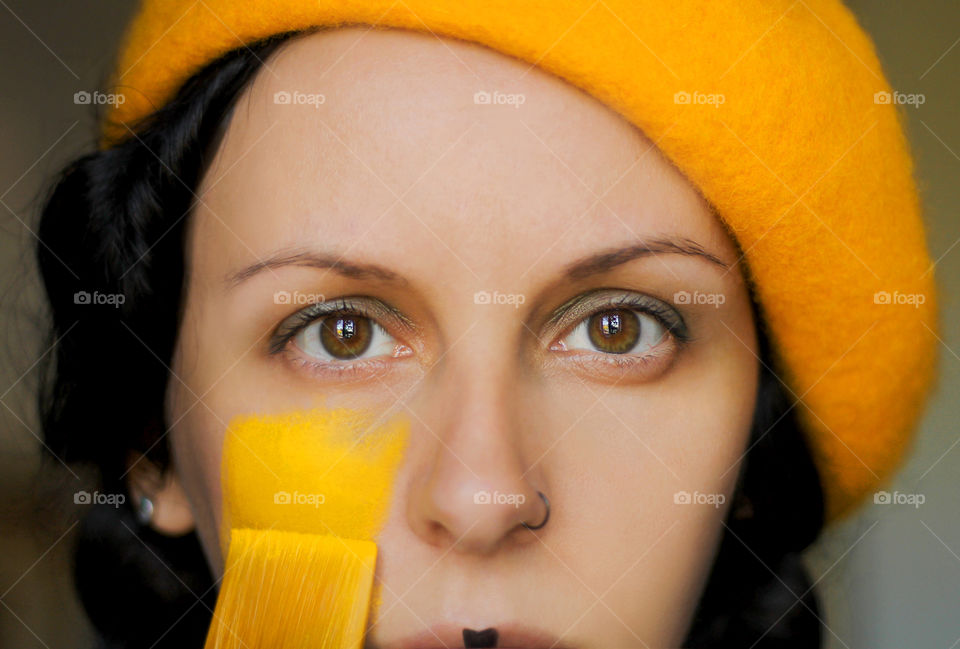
(758, 593)
(113, 225)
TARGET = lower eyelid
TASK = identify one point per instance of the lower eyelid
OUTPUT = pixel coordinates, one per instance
(667, 344)
(634, 363)
(339, 370)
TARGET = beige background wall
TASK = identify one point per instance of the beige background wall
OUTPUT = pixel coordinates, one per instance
(890, 578)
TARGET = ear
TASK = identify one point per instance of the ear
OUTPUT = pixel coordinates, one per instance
(172, 515)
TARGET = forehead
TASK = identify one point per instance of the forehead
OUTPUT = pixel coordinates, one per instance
(392, 142)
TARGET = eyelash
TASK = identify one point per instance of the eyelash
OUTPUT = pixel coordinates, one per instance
(665, 315)
(281, 340)
(622, 367)
(306, 316)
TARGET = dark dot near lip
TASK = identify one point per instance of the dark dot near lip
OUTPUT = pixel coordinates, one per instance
(485, 638)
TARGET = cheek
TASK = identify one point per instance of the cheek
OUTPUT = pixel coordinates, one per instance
(625, 466)
(319, 471)
(324, 471)
(210, 386)
(197, 441)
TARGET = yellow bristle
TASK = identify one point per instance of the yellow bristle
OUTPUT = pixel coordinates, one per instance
(288, 590)
(304, 495)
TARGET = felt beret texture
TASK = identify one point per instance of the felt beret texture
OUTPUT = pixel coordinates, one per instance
(777, 111)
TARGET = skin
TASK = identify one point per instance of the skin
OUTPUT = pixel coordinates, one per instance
(401, 168)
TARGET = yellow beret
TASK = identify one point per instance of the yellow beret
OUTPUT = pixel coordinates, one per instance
(777, 110)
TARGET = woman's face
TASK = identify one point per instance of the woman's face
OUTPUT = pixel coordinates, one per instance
(550, 303)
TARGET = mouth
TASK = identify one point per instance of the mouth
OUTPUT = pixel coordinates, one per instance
(454, 636)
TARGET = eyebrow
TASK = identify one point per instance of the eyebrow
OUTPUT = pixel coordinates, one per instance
(605, 261)
(594, 264)
(309, 259)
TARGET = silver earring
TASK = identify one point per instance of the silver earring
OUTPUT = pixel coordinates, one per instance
(144, 510)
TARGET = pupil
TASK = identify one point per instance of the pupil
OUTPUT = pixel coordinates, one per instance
(611, 324)
(614, 332)
(346, 336)
(345, 328)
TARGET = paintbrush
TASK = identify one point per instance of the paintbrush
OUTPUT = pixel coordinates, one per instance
(304, 495)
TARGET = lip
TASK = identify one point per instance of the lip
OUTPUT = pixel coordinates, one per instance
(450, 636)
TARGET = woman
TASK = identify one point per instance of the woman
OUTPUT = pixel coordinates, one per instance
(620, 264)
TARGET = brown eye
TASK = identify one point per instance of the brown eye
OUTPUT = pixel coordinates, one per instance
(333, 338)
(345, 337)
(614, 332)
(617, 331)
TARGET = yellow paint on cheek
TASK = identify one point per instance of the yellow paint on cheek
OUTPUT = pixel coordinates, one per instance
(323, 471)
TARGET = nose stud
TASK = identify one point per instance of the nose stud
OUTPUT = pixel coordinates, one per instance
(485, 638)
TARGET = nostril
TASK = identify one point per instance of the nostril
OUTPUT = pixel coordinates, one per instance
(485, 638)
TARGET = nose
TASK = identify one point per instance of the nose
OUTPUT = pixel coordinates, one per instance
(473, 489)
